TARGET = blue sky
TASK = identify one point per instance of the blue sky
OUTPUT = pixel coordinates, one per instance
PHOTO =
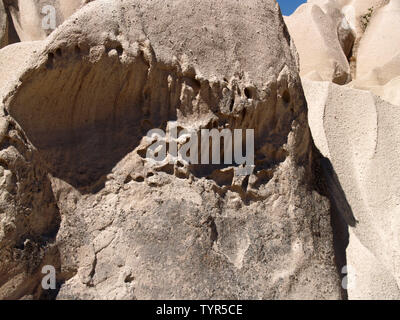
(289, 6)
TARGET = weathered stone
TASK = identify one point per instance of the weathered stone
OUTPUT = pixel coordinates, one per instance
(357, 131)
(378, 56)
(119, 226)
(317, 42)
(345, 33)
(389, 92)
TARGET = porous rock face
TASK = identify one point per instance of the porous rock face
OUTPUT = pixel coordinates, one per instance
(357, 131)
(78, 192)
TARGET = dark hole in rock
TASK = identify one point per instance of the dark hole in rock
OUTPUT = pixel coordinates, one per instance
(120, 50)
(50, 61)
(232, 104)
(248, 93)
(139, 179)
(286, 97)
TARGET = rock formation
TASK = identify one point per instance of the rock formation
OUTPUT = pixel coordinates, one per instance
(356, 12)
(331, 22)
(378, 58)
(315, 216)
(321, 53)
(379, 50)
(350, 41)
(78, 192)
(356, 130)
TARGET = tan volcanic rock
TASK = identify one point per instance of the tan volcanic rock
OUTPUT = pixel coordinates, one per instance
(379, 76)
(353, 10)
(357, 131)
(389, 92)
(378, 61)
(345, 33)
(79, 193)
(356, 9)
(379, 49)
(351, 17)
(316, 39)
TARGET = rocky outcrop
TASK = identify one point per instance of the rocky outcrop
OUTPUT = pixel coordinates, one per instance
(328, 43)
(378, 59)
(79, 193)
(356, 12)
(321, 43)
(357, 132)
(345, 31)
(379, 52)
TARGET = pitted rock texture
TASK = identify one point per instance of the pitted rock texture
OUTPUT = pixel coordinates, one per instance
(76, 114)
(357, 131)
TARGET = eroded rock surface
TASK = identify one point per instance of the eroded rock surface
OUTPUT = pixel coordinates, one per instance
(378, 58)
(328, 34)
(118, 226)
(379, 50)
(357, 131)
(322, 54)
